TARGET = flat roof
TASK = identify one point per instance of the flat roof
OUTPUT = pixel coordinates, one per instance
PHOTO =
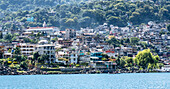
(40, 28)
(94, 57)
(26, 44)
(44, 45)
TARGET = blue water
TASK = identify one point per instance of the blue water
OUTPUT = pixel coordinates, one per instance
(87, 81)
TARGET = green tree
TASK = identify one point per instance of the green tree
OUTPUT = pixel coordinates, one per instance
(69, 22)
(19, 58)
(9, 51)
(104, 59)
(122, 62)
(75, 10)
(35, 56)
(1, 54)
(164, 14)
(24, 19)
(134, 40)
(27, 40)
(88, 13)
(8, 37)
(129, 62)
(1, 35)
(114, 42)
(143, 58)
(24, 65)
(14, 38)
(113, 20)
(17, 51)
(168, 27)
(85, 22)
(135, 18)
(118, 60)
(43, 58)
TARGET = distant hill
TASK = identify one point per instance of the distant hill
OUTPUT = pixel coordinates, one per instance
(81, 13)
(14, 5)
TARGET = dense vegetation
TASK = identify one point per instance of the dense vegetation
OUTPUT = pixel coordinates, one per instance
(143, 60)
(20, 61)
(86, 14)
(13, 37)
(14, 5)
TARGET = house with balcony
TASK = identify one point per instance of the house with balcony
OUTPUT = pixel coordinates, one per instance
(62, 56)
(47, 49)
(26, 49)
(67, 56)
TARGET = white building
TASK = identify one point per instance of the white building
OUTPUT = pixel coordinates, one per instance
(165, 68)
(27, 49)
(73, 58)
(48, 50)
(62, 56)
(48, 30)
(70, 33)
(85, 59)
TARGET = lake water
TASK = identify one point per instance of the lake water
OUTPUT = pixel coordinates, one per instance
(87, 81)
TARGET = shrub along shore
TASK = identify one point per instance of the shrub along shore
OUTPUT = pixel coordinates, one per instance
(45, 71)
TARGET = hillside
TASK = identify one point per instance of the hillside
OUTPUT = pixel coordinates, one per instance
(85, 14)
(14, 5)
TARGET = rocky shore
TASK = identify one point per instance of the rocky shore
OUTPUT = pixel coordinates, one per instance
(9, 71)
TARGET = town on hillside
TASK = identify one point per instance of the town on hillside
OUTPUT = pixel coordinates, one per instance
(106, 48)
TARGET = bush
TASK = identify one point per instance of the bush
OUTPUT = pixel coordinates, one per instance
(14, 66)
(24, 65)
(77, 65)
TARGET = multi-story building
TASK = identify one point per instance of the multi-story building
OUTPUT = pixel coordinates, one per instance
(74, 58)
(70, 33)
(67, 56)
(47, 49)
(26, 49)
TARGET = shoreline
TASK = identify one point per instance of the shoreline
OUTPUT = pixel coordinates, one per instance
(84, 74)
(11, 71)
(68, 73)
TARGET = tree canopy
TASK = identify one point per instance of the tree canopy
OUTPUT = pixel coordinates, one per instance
(146, 59)
(75, 15)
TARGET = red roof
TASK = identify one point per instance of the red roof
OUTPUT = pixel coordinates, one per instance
(110, 51)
